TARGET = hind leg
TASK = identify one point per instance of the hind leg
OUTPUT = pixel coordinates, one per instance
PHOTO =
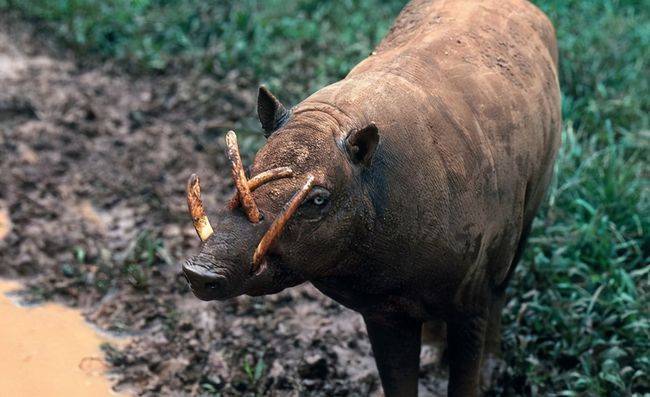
(434, 333)
(492, 364)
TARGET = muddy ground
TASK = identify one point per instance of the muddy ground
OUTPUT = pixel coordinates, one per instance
(93, 165)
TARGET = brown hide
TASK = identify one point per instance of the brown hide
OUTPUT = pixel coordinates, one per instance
(465, 97)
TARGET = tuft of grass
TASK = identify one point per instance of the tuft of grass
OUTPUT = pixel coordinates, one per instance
(141, 261)
(578, 319)
(254, 371)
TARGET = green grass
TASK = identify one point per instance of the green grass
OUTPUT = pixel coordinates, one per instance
(293, 46)
(578, 322)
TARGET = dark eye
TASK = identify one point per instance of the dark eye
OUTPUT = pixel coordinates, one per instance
(320, 200)
(317, 204)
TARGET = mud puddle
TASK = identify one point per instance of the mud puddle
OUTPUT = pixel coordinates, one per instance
(49, 350)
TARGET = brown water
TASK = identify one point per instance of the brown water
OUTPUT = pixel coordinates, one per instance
(48, 350)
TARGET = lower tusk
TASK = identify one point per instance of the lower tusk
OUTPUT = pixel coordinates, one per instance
(239, 177)
(278, 224)
(260, 179)
(195, 206)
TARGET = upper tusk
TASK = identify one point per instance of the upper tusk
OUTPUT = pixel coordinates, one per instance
(260, 179)
(195, 206)
(267, 176)
(239, 176)
(278, 223)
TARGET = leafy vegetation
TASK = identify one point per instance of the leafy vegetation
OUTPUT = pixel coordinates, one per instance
(578, 322)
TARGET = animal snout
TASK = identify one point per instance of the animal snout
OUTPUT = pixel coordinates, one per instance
(206, 284)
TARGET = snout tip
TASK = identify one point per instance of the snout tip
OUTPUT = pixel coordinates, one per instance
(205, 284)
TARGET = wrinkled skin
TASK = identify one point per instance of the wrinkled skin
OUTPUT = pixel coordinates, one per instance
(428, 224)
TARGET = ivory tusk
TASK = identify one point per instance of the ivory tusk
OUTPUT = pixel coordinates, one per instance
(239, 176)
(195, 206)
(278, 223)
(260, 179)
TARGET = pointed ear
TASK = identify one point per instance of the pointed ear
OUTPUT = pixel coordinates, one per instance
(270, 111)
(361, 144)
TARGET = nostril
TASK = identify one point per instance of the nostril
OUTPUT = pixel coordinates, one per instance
(199, 276)
(206, 281)
(213, 285)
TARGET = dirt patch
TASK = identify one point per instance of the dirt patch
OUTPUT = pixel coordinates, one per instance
(92, 213)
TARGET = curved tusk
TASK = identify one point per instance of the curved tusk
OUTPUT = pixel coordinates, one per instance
(278, 223)
(260, 179)
(239, 176)
(195, 206)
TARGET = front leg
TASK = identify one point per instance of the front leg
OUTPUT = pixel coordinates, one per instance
(396, 344)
